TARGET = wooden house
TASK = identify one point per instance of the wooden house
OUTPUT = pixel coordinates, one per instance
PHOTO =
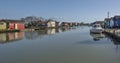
(52, 24)
(107, 22)
(116, 20)
(3, 25)
(65, 24)
(15, 24)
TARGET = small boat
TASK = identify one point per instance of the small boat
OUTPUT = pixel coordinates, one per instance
(96, 28)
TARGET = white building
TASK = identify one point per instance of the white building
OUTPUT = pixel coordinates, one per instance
(52, 24)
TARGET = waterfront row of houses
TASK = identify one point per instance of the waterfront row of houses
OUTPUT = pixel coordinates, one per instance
(113, 22)
(39, 24)
(51, 24)
(21, 24)
(11, 25)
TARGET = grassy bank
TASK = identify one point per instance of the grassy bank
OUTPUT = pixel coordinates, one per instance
(3, 31)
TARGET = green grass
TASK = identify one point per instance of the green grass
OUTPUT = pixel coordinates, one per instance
(3, 31)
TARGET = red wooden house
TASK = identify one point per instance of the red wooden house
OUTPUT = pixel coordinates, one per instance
(15, 24)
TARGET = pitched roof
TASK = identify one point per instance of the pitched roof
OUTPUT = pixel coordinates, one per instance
(8, 20)
(117, 17)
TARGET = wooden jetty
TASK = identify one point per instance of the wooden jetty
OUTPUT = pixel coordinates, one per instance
(115, 33)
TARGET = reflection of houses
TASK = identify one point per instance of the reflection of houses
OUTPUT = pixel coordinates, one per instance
(16, 35)
(63, 29)
(9, 37)
(52, 31)
(31, 35)
(115, 41)
(40, 33)
(3, 37)
(35, 34)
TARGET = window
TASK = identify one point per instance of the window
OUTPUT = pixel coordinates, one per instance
(96, 26)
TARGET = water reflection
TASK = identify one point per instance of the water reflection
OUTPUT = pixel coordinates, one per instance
(97, 37)
(10, 37)
(40, 33)
(100, 38)
(30, 35)
(115, 41)
(52, 31)
(112, 39)
(64, 29)
(59, 45)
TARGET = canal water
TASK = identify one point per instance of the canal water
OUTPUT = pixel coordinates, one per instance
(66, 45)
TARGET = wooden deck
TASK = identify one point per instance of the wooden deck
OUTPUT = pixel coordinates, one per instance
(115, 33)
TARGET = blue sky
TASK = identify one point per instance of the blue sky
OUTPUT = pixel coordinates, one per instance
(61, 10)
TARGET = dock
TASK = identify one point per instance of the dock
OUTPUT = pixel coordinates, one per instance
(115, 33)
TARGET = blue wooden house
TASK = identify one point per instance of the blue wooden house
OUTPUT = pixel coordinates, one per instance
(116, 20)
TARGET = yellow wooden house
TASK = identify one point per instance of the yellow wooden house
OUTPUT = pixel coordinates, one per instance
(3, 26)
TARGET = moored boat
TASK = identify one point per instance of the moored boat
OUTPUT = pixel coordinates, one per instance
(96, 28)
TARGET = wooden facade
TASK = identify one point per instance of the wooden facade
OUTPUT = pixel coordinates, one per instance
(12, 24)
(52, 24)
(3, 25)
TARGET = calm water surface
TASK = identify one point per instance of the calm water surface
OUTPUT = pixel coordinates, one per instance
(75, 45)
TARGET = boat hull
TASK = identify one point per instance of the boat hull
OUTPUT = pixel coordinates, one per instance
(96, 31)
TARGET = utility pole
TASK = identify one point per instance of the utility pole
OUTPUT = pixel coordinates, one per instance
(108, 14)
